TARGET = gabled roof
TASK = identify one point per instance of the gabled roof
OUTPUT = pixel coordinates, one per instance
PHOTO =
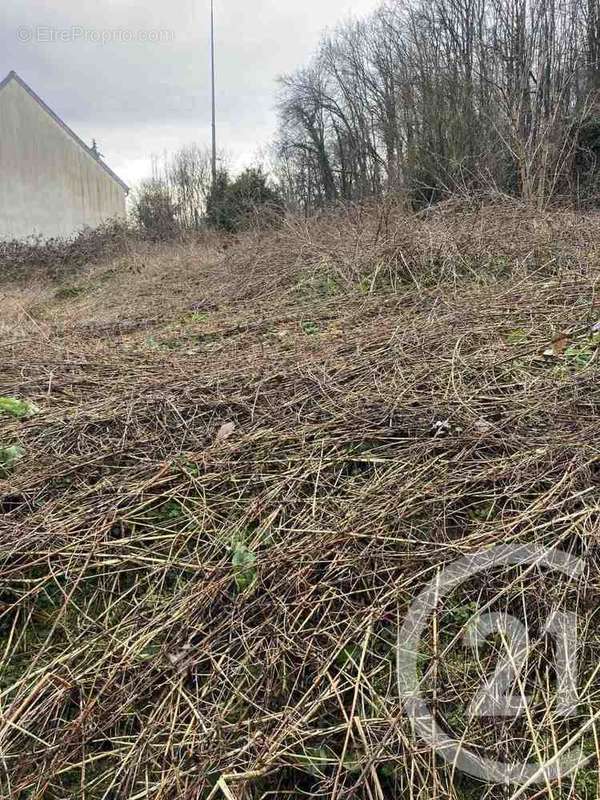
(12, 76)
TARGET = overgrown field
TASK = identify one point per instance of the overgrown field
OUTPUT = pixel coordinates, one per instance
(233, 468)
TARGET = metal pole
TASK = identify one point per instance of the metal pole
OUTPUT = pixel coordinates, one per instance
(212, 63)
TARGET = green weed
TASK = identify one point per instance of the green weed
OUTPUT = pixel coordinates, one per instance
(199, 316)
(21, 409)
(580, 355)
(244, 566)
(69, 292)
(516, 336)
(310, 328)
(9, 456)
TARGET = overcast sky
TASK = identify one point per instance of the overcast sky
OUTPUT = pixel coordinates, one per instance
(88, 60)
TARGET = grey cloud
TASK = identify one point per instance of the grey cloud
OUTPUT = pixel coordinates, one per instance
(141, 97)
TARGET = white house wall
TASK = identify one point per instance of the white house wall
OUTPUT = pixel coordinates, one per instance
(49, 185)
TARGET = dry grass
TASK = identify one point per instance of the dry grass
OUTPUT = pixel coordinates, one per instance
(190, 614)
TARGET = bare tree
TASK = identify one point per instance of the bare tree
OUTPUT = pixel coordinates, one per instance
(186, 177)
(434, 97)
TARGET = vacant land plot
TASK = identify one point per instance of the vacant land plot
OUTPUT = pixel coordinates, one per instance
(231, 473)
